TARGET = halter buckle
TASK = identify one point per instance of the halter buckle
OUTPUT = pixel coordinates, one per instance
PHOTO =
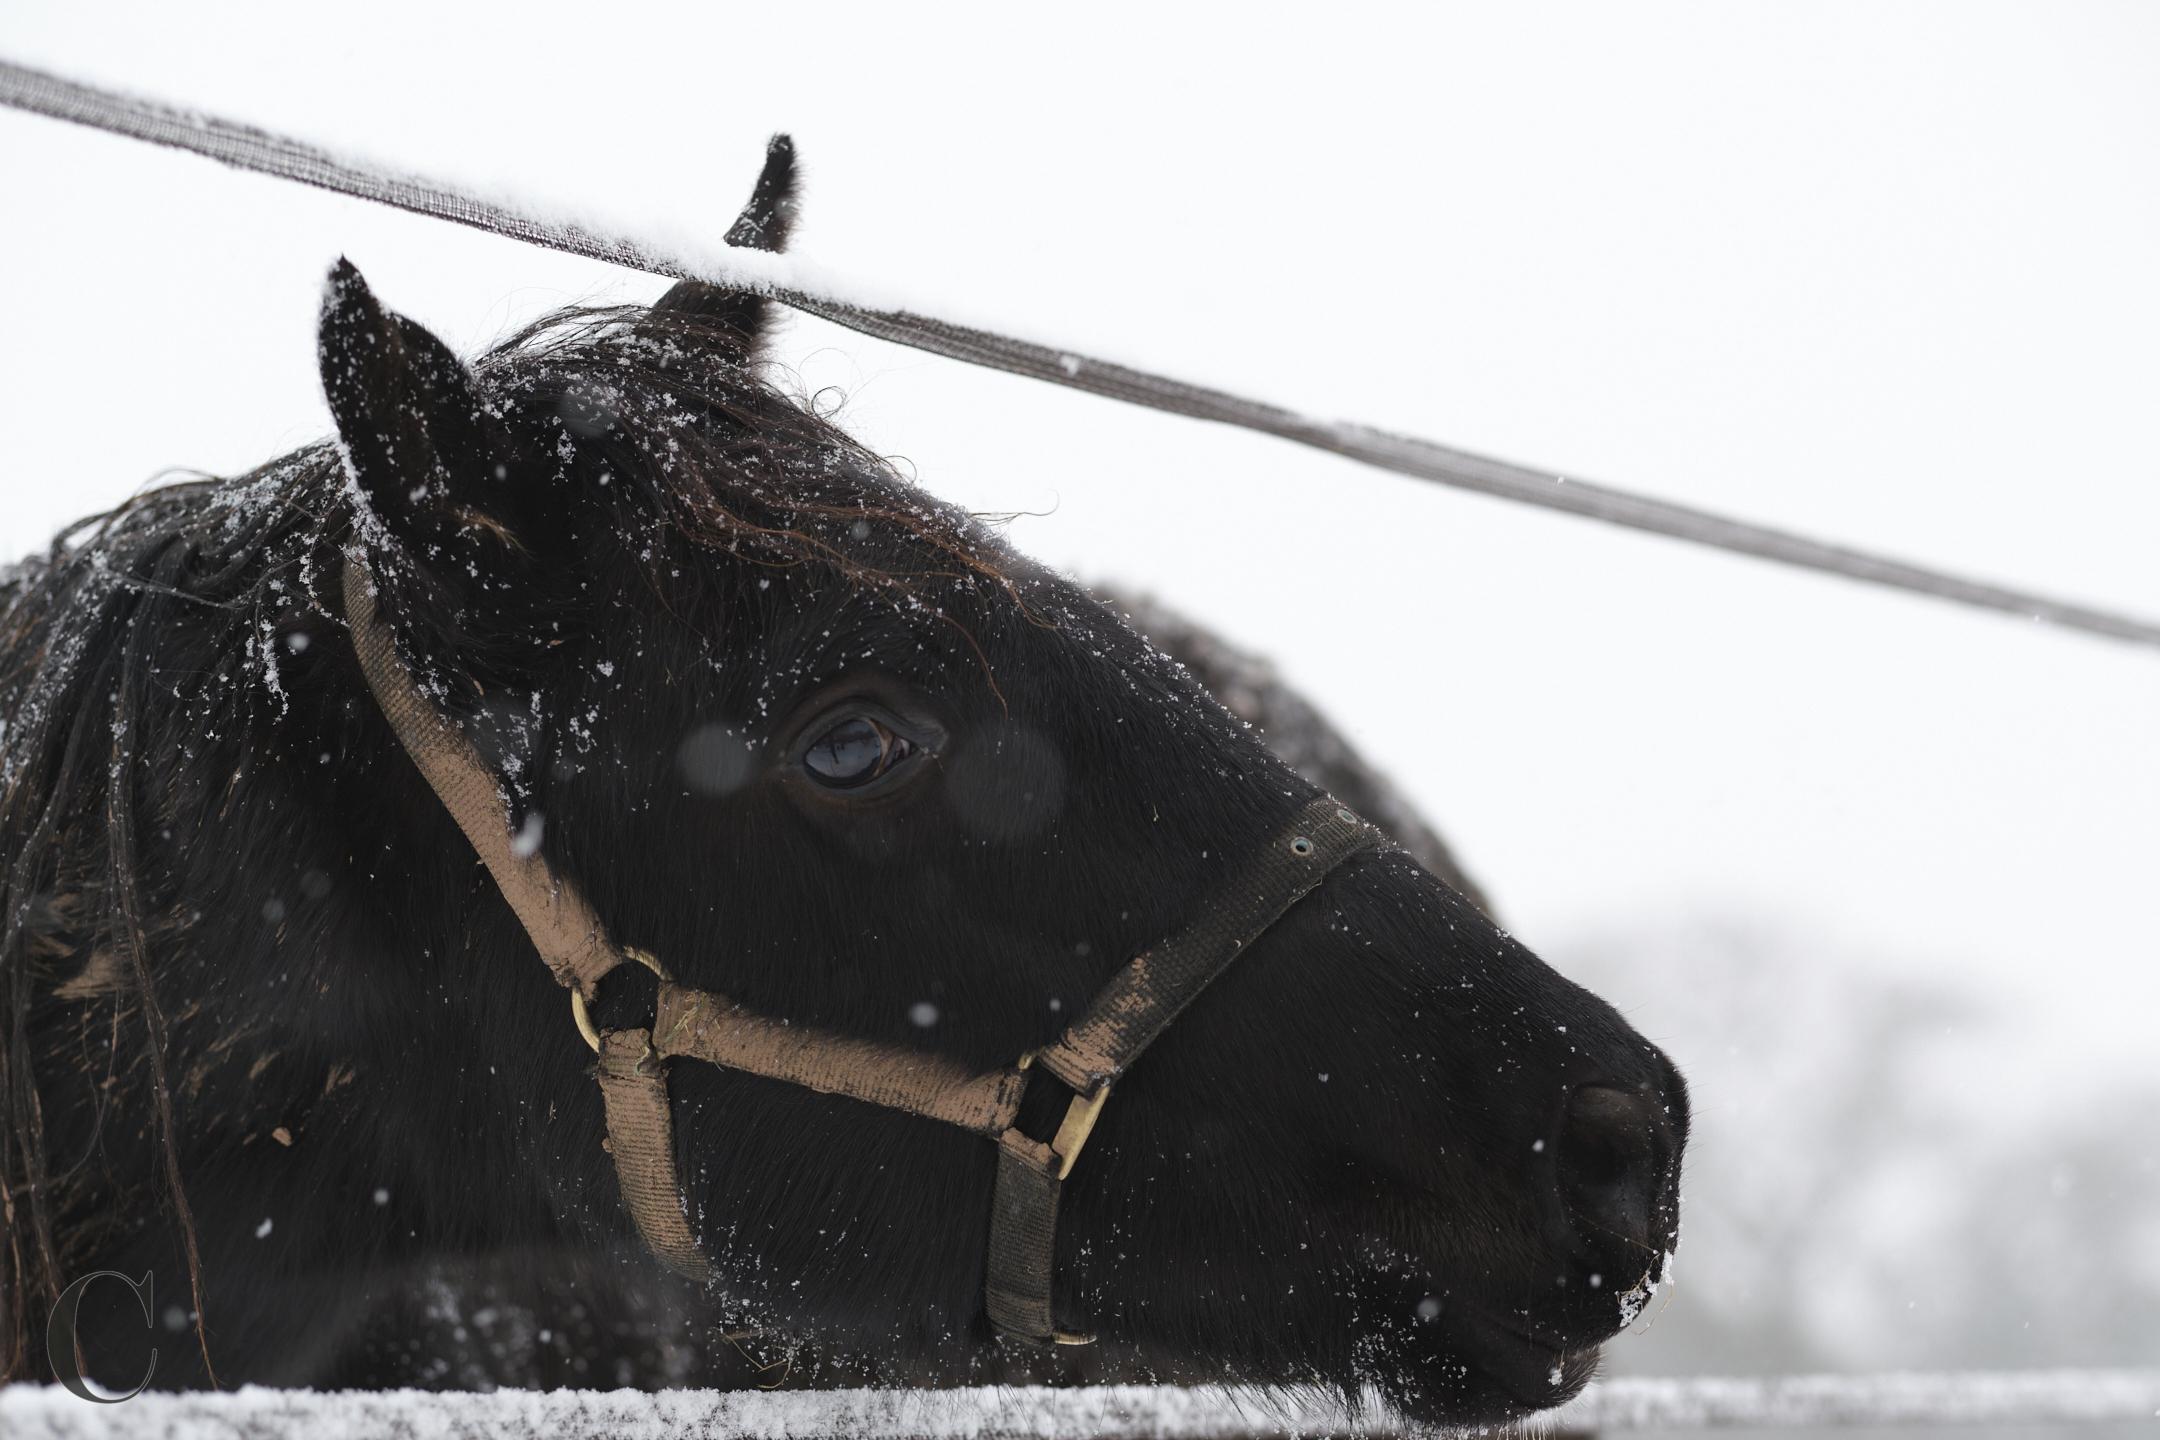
(1079, 1123)
(583, 1016)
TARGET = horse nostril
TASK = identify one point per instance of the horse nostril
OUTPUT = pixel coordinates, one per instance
(1615, 1150)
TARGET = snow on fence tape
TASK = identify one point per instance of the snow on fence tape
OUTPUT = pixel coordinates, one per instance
(860, 306)
(1109, 1412)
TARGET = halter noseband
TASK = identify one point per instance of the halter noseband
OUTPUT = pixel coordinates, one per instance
(1123, 1019)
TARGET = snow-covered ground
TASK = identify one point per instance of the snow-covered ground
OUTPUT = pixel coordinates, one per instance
(1879, 872)
(1115, 1412)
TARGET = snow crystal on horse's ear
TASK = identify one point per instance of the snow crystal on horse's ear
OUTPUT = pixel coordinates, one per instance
(415, 437)
(736, 318)
(769, 218)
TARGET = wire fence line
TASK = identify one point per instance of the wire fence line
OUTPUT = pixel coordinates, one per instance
(247, 148)
(1108, 1412)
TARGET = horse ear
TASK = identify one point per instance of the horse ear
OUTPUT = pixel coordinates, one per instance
(769, 219)
(737, 318)
(414, 434)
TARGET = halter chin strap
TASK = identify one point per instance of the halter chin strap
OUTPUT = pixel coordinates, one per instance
(1124, 1018)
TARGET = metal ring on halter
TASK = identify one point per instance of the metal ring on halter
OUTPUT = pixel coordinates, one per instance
(583, 1016)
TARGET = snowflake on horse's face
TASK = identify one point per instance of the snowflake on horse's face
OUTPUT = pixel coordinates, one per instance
(831, 749)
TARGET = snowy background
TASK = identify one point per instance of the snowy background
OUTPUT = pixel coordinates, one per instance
(1879, 872)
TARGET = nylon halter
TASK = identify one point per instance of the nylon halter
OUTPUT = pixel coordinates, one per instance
(1127, 1014)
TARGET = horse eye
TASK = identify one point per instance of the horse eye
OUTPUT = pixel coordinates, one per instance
(855, 752)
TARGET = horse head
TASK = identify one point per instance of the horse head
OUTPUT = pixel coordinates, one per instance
(823, 744)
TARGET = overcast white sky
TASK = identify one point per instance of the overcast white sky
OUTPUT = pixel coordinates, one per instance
(1880, 272)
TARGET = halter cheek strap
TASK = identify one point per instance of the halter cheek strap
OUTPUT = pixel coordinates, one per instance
(1123, 1019)
(563, 928)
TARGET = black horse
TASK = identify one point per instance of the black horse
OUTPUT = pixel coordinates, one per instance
(829, 746)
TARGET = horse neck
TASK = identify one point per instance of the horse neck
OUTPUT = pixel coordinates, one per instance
(358, 1028)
